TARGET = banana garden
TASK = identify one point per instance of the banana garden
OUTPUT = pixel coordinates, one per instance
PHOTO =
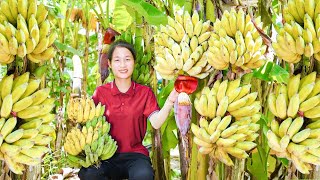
(247, 72)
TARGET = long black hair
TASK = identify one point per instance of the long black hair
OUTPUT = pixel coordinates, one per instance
(121, 43)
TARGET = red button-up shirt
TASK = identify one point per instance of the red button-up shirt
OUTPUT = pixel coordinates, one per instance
(127, 113)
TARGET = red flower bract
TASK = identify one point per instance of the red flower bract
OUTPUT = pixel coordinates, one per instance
(187, 84)
(109, 36)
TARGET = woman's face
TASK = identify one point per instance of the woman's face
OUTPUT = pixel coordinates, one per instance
(122, 63)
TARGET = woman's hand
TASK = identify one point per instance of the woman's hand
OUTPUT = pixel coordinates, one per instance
(173, 96)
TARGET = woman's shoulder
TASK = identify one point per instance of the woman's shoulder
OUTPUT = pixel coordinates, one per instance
(104, 86)
(142, 87)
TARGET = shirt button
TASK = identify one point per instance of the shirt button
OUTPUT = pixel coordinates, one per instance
(122, 104)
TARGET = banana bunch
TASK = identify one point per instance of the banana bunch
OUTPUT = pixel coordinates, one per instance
(182, 46)
(301, 97)
(20, 97)
(297, 140)
(301, 33)
(81, 110)
(227, 97)
(24, 143)
(141, 73)
(91, 144)
(25, 31)
(222, 137)
(236, 42)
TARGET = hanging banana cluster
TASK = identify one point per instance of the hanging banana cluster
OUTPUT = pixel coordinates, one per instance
(301, 97)
(234, 112)
(81, 110)
(301, 33)
(182, 46)
(141, 73)
(91, 144)
(227, 97)
(236, 42)
(291, 135)
(24, 141)
(225, 136)
(25, 31)
(290, 140)
(20, 97)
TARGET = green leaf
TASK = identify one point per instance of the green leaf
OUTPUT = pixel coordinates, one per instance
(256, 165)
(151, 14)
(121, 18)
(169, 139)
(179, 2)
(279, 74)
(263, 72)
(65, 47)
(164, 93)
(271, 71)
(284, 161)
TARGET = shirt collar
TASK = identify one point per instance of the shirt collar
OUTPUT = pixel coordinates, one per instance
(130, 92)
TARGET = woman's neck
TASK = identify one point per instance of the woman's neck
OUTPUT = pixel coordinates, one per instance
(123, 84)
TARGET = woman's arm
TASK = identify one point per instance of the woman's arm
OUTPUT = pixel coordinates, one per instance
(158, 118)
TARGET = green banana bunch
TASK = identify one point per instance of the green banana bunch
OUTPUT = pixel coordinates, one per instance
(301, 97)
(236, 42)
(25, 31)
(222, 137)
(91, 144)
(227, 97)
(300, 35)
(182, 47)
(81, 110)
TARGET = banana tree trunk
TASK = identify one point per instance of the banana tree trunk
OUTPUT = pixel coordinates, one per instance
(157, 156)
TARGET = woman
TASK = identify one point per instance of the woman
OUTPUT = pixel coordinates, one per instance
(128, 106)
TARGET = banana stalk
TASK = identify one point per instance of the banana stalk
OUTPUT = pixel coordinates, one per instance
(202, 170)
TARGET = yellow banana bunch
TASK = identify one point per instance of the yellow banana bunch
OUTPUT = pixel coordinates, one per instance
(299, 98)
(182, 46)
(24, 31)
(81, 110)
(21, 98)
(237, 46)
(222, 137)
(227, 97)
(296, 140)
(299, 36)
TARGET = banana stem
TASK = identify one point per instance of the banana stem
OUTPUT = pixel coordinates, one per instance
(86, 52)
(192, 174)
(221, 170)
(188, 6)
